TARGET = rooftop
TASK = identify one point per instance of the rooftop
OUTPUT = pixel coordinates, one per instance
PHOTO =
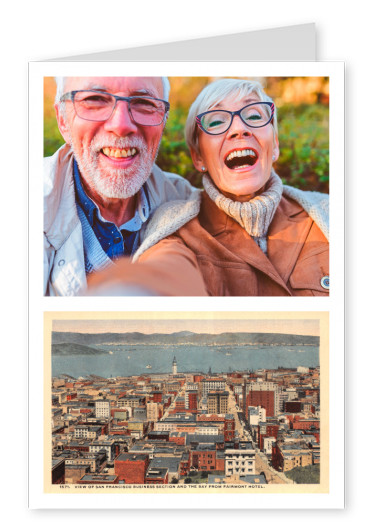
(103, 478)
(171, 463)
(131, 457)
(156, 472)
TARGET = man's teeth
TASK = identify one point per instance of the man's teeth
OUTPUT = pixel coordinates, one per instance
(241, 153)
(119, 153)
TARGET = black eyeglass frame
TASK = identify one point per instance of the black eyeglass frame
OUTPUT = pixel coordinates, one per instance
(71, 96)
(236, 113)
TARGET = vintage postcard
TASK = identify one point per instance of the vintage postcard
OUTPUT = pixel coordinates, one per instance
(186, 403)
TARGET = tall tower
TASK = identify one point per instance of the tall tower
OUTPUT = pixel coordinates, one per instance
(174, 366)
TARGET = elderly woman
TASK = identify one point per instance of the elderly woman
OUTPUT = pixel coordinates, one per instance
(248, 234)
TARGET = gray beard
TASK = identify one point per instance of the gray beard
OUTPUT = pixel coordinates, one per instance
(114, 183)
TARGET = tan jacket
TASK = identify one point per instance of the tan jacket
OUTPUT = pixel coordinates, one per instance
(213, 255)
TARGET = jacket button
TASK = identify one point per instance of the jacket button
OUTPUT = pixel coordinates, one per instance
(325, 282)
(61, 262)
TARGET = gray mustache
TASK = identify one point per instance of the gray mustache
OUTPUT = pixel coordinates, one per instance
(119, 143)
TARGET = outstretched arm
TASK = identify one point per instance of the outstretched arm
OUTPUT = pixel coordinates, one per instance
(167, 269)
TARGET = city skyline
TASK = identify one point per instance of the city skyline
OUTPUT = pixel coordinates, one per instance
(183, 428)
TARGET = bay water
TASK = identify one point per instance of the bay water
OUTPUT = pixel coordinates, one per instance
(129, 360)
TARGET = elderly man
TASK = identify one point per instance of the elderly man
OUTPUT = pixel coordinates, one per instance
(102, 186)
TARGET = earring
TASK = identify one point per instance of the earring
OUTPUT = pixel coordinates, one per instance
(203, 168)
(273, 157)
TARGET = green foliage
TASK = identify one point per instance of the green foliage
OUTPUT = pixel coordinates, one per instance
(174, 155)
(305, 475)
(304, 146)
(52, 137)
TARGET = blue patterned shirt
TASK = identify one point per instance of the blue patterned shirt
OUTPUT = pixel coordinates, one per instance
(115, 241)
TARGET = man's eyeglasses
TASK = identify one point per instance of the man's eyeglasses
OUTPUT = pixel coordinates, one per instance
(98, 106)
(253, 115)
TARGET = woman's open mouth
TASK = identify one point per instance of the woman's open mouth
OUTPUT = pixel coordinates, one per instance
(241, 158)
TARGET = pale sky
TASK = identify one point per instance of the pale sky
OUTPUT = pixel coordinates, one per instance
(211, 326)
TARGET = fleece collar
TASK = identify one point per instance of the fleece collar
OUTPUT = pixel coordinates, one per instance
(171, 216)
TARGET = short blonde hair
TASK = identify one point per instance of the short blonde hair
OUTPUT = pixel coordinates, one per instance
(216, 92)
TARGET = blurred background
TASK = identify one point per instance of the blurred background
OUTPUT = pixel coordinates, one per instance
(303, 125)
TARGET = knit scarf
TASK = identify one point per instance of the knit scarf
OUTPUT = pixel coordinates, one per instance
(255, 215)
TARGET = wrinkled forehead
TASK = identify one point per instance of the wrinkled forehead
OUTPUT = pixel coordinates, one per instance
(126, 86)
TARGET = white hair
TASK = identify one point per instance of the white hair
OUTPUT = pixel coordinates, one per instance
(216, 92)
(60, 84)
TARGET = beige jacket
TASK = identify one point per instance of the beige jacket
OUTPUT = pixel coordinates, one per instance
(64, 266)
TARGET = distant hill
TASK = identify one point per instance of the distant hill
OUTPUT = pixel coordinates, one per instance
(183, 333)
(180, 338)
(73, 349)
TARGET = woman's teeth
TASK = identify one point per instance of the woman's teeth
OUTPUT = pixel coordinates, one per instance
(241, 158)
(119, 153)
(241, 153)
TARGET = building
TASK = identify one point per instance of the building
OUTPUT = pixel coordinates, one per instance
(87, 432)
(174, 366)
(300, 423)
(212, 384)
(107, 446)
(207, 429)
(158, 435)
(92, 461)
(169, 462)
(240, 462)
(268, 445)
(58, 471)
(157, 396)
(203, 457)
(156, 476)
(264, 394)
(131, 468)
(59, 395)
(225, 423)
(191, 400)
(179, 405)
(121, 413)
(265, 430)
(56, 417)
(285, 457)
(256, 414)
(152, 411)
(293, 406)
(131, 401)
(102, 409)
(217, 402)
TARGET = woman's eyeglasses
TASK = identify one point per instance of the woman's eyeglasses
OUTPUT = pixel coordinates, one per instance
(254, 115)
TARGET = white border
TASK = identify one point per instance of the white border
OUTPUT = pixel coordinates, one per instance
(334, 304)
